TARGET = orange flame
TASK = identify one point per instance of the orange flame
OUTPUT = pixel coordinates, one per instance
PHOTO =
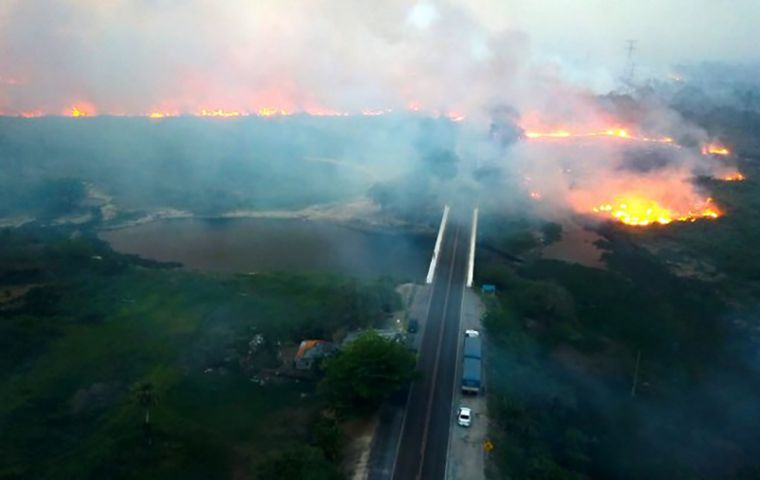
(270, 112)
(161, 115)
(615, 132)
(715, 149)
(80, 111)
(639, 211)
(733, 177)
(554, 134)
(274, 109)
(220, 113)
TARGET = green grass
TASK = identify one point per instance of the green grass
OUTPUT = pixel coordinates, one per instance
(97, 327)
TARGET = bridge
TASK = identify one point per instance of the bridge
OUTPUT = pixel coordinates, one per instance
(424, 432)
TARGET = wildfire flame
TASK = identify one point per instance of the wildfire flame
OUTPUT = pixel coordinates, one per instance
(161, 115)
(629, 197)
(639, 211)
(733, 177)
(219, 113)
(270, 112)
(88, 110)
(715, 149)
(555, 134)
(615, 132)
(78, 112)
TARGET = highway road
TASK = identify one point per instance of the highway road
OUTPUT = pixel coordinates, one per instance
(425, 432)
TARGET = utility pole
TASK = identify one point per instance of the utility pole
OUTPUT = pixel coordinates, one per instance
(636, 374)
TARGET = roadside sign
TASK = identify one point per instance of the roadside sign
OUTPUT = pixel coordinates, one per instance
(487, 446)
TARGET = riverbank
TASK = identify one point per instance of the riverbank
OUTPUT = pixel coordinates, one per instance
(269, 244)
(359, 213)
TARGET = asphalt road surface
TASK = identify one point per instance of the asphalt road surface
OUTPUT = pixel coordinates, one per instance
(425, 434)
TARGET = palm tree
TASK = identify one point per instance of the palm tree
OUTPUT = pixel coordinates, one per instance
(146, 397)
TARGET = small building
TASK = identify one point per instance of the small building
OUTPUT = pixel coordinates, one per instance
(488, 288)
(310, 352)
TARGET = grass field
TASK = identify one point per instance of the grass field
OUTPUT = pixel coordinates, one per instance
(99, 322)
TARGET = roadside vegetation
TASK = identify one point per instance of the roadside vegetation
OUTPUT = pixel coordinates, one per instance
(644, 370)
(368, 371)
(116, 367)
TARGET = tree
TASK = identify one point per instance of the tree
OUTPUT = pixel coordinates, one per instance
(543, 467)
(306, 463)
(327, 436)
(552, 232)
(366, 372)
(146, 397)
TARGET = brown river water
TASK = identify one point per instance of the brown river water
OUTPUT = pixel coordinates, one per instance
(259, 245)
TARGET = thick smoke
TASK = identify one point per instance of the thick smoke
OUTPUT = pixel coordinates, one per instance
(452, 59)
(133, 57)
(182, 57)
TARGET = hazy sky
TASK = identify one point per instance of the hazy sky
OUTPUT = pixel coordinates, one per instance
(667, 31)
(138, 56)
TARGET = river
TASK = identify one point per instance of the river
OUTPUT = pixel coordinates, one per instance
(258, 245)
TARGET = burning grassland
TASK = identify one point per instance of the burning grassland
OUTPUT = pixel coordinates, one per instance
(88, 110)
(613, 133)
(641, 211)
(734, 176)
(644, 199)
(715, 149)
(608, 171)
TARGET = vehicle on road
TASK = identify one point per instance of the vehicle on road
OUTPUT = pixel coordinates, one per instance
(464, 416)
(413, 326)
(471, 376)
(471, 333)
(472, 348)
(471, 367)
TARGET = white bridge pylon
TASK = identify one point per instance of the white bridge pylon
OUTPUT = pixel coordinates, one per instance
(437, 248)
(471, 254)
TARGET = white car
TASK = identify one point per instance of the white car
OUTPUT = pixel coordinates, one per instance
(464, 416)
(471, 333)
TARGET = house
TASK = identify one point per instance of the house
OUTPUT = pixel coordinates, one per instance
(310, 352)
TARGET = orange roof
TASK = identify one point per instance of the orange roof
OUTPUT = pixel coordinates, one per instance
(307, 345)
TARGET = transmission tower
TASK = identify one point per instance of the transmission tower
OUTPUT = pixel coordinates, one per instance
(630, 69)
